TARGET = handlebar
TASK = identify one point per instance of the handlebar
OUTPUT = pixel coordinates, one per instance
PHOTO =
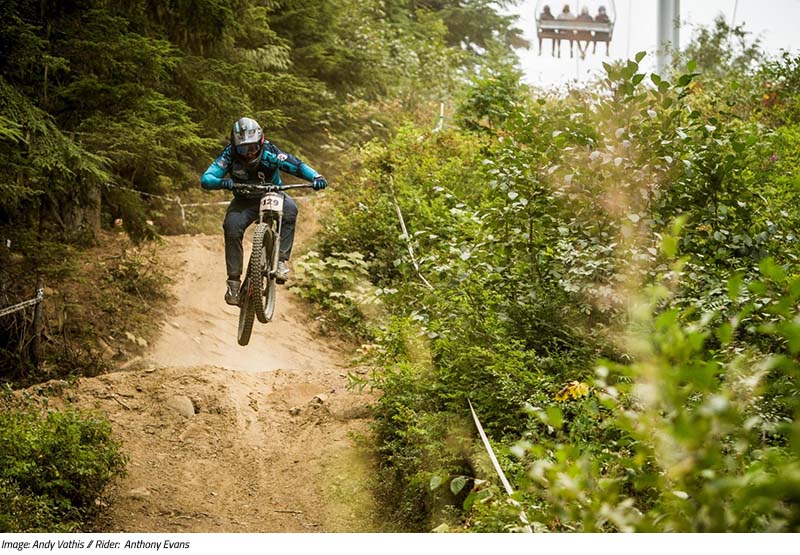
(269, 187)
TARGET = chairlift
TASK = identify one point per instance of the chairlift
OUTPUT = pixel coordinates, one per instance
(591, 22)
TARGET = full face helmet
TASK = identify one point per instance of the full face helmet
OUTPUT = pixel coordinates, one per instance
(247, 140)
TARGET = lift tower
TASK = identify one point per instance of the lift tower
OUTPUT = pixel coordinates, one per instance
(669, 13)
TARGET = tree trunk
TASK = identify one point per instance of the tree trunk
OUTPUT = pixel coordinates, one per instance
(86, 215)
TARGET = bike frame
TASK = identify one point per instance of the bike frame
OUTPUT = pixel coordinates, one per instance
(271, 209)
(259, 295)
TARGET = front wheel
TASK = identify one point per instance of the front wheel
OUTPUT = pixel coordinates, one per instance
(265, 245)
(246, 309)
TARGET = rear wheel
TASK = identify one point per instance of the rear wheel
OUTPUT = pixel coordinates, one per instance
(267, 238)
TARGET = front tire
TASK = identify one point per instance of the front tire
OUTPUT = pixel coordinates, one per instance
(247, 308)
(266, 238)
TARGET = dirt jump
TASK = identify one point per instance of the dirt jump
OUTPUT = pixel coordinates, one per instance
(223, 438)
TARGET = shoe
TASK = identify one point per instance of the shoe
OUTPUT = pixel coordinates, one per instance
(281, 272)
(232, 294)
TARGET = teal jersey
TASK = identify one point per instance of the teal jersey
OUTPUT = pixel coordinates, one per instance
(273, 161)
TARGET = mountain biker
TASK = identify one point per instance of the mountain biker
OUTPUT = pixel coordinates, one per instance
(249, 158)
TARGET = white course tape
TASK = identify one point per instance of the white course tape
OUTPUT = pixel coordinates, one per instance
(509, 490)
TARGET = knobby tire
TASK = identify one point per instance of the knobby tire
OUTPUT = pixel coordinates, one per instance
(266, 237)
(246, 314)
(247, 309)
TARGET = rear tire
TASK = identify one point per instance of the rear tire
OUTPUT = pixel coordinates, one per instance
(266, 237)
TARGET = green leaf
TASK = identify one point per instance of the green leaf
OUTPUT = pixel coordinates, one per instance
(475, 497)
(794, 288)
(691, 66)
(669, 245)
(554, 416)
(757, 287)
(640, 56)
(771, 270)
(667, 319)
(791, 331)
(734, 286)
(678, 224)
(469, 501)
(630, 69)
(725, 333)
(436, 481)
(457, 484)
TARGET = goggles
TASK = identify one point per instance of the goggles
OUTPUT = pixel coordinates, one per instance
(248, 150)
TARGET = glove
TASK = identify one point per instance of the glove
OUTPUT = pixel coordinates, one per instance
(319, 183)
(226, 183)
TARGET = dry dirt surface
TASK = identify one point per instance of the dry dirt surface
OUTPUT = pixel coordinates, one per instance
(223, 438)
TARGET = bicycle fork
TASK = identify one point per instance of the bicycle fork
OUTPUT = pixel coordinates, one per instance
(272, 211)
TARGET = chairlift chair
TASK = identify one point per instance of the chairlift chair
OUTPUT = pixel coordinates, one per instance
(575, 30)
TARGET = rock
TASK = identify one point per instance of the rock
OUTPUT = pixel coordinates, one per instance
(131, 363)
(139, 493)
(107, 349)
(294, 411)
(319, 399)
(182, 405)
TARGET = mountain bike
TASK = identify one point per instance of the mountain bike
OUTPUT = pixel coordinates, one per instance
(257, 293)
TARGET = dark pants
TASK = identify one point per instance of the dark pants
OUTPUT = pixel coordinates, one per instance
(241, 213)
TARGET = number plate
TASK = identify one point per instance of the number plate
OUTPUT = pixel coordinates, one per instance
(272, 202)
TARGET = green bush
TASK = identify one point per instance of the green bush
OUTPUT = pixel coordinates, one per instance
(338, 283)
(537, 226)
(24, 512)
(686, 446)
(53, 469)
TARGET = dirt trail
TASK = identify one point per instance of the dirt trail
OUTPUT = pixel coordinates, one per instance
(223, 438)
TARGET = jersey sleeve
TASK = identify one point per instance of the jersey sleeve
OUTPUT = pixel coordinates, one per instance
(216, 171)
(288, 163)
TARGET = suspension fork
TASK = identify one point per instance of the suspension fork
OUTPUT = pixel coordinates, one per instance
(278, 218)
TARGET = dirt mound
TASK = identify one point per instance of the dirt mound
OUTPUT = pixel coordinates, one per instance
(223, 438)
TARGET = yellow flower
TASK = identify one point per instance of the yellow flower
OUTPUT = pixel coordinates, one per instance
(573, 390)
